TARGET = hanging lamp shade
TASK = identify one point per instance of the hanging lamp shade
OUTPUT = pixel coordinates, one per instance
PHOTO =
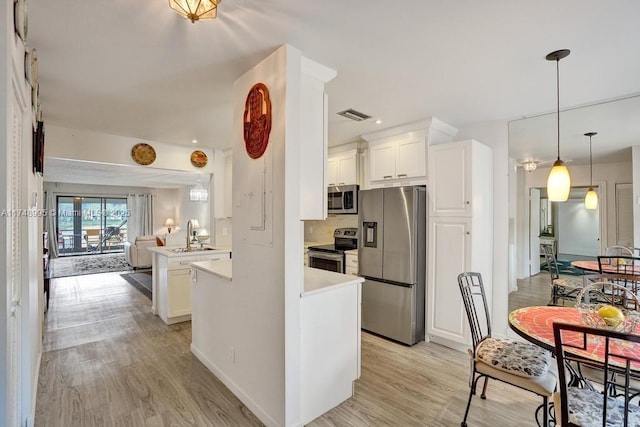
(591, 198)
(196, 10)
(559, 181)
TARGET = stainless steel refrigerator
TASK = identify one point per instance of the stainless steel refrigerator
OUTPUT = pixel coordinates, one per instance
(392, 259)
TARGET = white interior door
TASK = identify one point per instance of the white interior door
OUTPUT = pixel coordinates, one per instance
(534, 231)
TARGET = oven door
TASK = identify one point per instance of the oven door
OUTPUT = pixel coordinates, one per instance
(326, 261)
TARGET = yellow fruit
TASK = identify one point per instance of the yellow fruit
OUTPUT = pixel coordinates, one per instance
(611, 315)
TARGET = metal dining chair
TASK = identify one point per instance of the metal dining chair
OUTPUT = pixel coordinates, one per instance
(619, 264)
(610, 406)
(561, 289)
(520, 364)
(618, 250)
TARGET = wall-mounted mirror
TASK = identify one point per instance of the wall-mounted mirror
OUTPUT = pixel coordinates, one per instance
(535, 139)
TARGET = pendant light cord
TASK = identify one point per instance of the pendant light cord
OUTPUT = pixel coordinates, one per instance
(590, 165)
(558, 101)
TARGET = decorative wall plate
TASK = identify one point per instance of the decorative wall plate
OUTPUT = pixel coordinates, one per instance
(143, 154)
(257, 120)
(20, 18)
(199, 159)
(31, 67)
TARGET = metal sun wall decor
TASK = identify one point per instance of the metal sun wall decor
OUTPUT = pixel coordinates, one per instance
(257, 120)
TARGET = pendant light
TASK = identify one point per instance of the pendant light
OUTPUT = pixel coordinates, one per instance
(591, 199)
(559, 181)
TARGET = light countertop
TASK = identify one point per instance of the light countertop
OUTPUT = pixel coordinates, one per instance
(167, 251)
(221, 268)
(351, 252)
(307, 244)
(315, 280)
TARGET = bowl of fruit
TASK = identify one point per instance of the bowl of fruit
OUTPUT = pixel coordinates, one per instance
(606, 305)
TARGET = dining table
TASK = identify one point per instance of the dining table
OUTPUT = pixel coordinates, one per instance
(589, 265)
(535, 324)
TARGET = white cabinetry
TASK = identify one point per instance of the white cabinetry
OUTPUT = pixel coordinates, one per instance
(342, 168)
(313, 131)
(351, 263)
(228, 176)
(460, 232)
(399, 159)
(173, 299)
(398, 156)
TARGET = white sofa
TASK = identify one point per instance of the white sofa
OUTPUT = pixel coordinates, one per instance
(136, 253)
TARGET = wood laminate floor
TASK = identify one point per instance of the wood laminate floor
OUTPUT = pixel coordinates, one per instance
(108, 361)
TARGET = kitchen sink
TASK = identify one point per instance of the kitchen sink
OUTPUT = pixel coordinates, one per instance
(181, 250)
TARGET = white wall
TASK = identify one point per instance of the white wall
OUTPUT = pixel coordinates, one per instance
(636, 195)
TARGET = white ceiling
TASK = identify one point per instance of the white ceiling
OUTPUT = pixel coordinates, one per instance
(136, 68)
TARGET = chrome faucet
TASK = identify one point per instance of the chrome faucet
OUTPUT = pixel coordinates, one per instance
(189, 232)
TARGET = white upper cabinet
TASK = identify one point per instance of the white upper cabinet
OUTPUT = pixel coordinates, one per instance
(399, 155)
(456, 172)
(398, 159)
(342, 168)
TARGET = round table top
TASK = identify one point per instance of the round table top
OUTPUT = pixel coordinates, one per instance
(594, 266)
(535, 324)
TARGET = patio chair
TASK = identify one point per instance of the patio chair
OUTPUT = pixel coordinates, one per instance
(561, 289)
(611, 404)
(521, 364)
(93, 237)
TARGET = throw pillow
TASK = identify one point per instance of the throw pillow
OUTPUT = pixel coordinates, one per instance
(159, 241)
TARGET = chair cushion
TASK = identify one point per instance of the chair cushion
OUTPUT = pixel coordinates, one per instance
(567, 283)
(518, 358)
(585, 409)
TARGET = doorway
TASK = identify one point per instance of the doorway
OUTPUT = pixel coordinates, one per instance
(572, 230)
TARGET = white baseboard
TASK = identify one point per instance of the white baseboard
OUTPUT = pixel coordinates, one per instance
(236, 389)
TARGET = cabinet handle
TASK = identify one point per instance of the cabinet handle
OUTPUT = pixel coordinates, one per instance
(468, 202)
(332, 184)
(387, 176)
(341, 183)
(402, 175)
(468, 233)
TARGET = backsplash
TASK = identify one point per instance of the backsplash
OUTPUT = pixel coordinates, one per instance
(322, 231)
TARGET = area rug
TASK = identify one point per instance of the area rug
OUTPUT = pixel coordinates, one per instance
(140, 280)
(88, 264)
(564, 267)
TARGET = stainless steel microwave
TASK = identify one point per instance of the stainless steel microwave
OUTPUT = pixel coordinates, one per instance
(343, 199)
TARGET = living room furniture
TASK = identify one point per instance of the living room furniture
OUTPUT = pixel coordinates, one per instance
(136, 253)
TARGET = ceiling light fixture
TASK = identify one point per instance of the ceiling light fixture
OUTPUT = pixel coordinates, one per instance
(198, 193)
(591, 198)
(195, 141)
(559, 181)
(196, 10)
(529, 165)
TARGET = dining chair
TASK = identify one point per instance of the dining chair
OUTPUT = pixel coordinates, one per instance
(610, 404)
(619, 264)
(521, 364)
(618, 250)
(561, 289)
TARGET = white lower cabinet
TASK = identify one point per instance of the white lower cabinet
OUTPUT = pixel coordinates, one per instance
(351, 263)
(449, 254)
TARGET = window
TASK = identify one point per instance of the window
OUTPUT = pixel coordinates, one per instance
(89, 225)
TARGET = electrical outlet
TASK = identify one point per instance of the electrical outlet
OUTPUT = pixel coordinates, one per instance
(310, 229)
(225, 231)
(232, 354)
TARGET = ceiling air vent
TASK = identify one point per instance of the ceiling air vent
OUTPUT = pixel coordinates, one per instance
(354, 115)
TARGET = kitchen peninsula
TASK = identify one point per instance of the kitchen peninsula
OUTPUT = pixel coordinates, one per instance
(330, 332)
(171, 289)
